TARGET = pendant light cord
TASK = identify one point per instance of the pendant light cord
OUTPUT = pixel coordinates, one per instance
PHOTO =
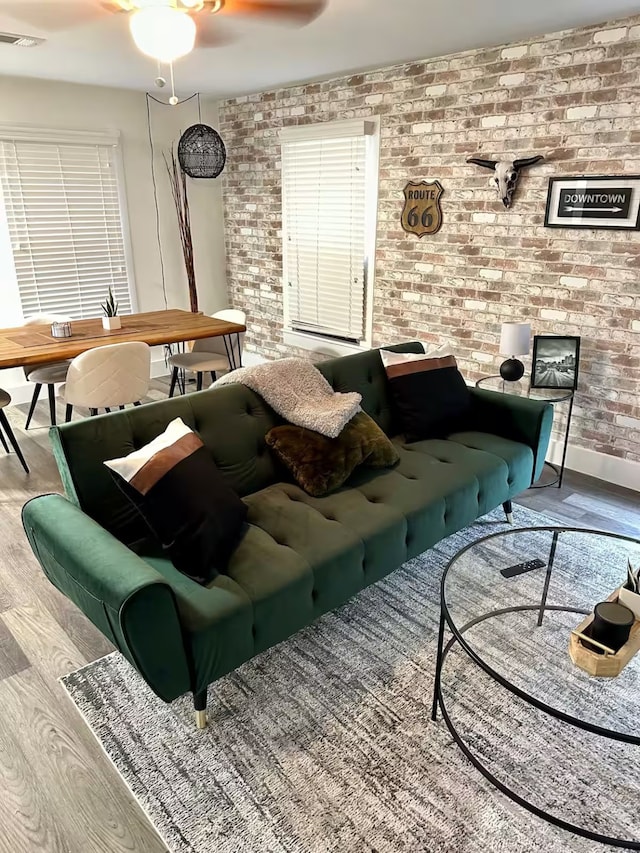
(155, 198)
(173, 85)
(149, 98)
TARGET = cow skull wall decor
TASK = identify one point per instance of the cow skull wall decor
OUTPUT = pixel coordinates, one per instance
(506, 174)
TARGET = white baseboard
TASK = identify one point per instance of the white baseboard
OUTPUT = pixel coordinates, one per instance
(22, 393)
(159, 368)
(251, 358)
(613, 469)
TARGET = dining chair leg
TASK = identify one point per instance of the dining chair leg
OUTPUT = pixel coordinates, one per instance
(213, 376)
(122, 408)
(34, 400)
(68, 412)
(93, 412)
(108, 410)
(6, 426)
(137, 403)
(52, 403)
(199, 381)
(3, 441)
(174, 379)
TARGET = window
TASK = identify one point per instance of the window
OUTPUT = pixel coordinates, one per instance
(329, 200)
(65, 222)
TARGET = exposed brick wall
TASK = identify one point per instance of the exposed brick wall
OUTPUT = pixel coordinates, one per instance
(572, 96)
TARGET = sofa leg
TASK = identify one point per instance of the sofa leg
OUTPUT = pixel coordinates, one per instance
(200, 705)
(508, 511)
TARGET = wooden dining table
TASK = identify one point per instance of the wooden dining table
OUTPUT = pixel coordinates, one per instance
(27, 346)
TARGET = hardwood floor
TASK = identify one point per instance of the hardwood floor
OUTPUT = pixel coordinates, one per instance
(58, 791)
(587, 502)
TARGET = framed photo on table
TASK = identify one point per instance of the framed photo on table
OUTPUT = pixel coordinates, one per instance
(605, 201)
(555, 362)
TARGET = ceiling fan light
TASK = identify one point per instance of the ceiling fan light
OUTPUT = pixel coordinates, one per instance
(163, 32)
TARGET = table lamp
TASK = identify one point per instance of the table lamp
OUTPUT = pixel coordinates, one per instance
(515, 339)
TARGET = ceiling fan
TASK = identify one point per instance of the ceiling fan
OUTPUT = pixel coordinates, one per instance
(55, 15)
(162, 29)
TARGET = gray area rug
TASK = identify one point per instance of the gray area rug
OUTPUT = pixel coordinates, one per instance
(325, 743)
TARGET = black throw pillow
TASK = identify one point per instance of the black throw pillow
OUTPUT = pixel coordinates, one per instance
(176, 487)
(430, 395)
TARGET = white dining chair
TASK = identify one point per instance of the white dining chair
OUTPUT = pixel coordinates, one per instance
(45, 374)
(108, 377)
(211, 355)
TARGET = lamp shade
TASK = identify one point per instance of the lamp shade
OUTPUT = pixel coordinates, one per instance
(515, 338)
(163, 32)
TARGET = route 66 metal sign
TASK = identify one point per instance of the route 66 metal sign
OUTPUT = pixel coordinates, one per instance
(422, 213)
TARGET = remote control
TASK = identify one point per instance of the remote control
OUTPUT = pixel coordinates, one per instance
(521, 568)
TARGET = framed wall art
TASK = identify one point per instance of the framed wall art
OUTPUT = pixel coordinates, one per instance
(605, 201)
(555, 362)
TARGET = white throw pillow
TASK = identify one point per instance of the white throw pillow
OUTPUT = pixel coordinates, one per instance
(128, 466)
(389, 357)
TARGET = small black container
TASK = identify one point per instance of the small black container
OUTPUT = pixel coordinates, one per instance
(612, 623)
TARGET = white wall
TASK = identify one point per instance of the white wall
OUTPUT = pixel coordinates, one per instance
(69, 106)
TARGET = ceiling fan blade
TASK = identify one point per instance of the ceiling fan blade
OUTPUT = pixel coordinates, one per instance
(299, 12)
(211, 34)
(53, 15)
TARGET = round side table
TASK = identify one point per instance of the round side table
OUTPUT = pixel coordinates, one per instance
(522, 388)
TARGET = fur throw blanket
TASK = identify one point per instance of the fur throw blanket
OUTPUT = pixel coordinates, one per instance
(297, 391)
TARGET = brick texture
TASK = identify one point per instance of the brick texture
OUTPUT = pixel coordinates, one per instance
(571, 96)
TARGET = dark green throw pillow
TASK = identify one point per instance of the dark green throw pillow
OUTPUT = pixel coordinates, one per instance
(319, 464)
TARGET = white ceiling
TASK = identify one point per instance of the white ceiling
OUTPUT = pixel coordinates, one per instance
(350, 35)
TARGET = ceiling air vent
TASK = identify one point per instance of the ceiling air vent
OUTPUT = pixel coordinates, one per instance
(20, 41)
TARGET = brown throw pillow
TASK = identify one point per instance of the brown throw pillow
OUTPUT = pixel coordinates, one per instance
(319, 464)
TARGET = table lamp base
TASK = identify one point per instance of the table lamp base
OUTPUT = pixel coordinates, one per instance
(512, 369)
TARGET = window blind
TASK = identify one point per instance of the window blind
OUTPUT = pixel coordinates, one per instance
(63, 213)
(324, 231)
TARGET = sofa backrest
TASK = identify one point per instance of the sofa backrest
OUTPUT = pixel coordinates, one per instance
(232, 421)
(365, 373)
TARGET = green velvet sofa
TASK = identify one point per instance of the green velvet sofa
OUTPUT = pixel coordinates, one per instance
(300, 557)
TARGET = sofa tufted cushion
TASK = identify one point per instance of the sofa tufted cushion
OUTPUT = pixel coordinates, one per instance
(303, 556)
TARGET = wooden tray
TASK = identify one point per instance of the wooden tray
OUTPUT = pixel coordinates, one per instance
(606, 665)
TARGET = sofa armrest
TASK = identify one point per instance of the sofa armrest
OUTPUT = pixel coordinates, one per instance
(124, 597)
(516, 418)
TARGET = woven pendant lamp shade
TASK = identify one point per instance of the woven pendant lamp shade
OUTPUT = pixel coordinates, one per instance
(201, 152)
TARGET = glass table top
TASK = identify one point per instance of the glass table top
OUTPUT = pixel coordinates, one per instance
(496, 618)
(521, 388)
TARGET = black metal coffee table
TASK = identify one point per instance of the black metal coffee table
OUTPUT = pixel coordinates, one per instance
(489, 615)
